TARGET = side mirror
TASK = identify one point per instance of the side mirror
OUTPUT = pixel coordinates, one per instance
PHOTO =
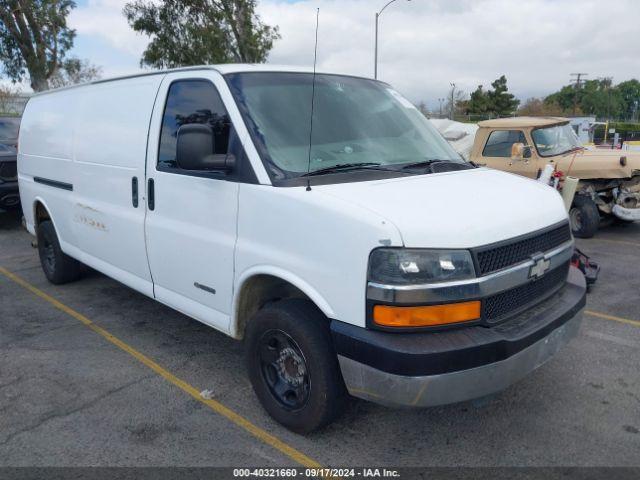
(195, 149)
(520, 151)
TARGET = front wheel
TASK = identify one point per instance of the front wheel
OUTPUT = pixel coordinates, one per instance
(584, 217)
(292, 365)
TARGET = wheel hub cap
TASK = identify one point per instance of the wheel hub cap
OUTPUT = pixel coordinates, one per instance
(291, 367)
(284, 369)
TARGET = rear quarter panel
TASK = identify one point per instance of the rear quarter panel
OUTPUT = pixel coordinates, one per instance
(45, 149)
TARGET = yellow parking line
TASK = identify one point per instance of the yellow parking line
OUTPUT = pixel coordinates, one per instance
(214, 405)
(604, 316)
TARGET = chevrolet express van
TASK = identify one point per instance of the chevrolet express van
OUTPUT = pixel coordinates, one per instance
(353, 251)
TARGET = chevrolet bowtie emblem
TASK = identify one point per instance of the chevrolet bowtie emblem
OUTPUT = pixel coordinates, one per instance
(539, 267)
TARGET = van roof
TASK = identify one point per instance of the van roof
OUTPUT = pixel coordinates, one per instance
(221, 68)
(522, 122)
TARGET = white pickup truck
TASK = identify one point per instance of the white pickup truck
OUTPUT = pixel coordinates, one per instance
(343, 252)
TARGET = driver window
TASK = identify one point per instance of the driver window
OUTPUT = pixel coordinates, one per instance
(500, 142)
(192, 101)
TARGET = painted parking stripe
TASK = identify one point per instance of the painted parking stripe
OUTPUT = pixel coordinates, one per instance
(214, 405)
(604, 316)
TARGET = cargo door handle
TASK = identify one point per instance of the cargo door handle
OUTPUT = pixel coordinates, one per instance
(134, 191)
(151, 194)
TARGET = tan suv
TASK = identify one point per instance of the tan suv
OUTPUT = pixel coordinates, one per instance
(609, 179)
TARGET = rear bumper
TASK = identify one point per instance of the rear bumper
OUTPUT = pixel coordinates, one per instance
(427, 369)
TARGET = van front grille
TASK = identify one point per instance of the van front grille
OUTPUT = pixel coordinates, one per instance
(499, 306)
(492, 258)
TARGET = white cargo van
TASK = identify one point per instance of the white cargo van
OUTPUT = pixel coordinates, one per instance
(375, 261)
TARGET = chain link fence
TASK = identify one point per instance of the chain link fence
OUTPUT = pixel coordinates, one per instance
(12, 104)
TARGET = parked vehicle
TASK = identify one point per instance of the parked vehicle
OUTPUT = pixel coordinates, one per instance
(9, 198)
(9, 126)
(344, 258)
(609, 179)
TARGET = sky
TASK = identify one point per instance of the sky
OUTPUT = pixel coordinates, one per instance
(424, 45)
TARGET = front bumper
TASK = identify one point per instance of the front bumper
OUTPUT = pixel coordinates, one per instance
(629, 214)
(425, 369)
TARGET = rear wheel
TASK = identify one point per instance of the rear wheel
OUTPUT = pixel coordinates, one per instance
(58, 267)
(292, 365)
(584, 217)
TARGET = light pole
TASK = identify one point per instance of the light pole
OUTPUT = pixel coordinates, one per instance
(441, 101)
(375, 60)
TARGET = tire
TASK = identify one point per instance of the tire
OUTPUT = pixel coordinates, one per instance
(58, 267)
(292, 365)
(584, 217)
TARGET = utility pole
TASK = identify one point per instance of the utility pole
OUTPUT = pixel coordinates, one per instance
(441, 101)
(453, 91)
(577, 79)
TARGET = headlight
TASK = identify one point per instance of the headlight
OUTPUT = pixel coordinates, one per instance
(413, 266)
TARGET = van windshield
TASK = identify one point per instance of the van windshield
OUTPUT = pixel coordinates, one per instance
(355, 122)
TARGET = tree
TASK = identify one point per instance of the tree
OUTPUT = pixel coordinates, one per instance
(8, 96)
(496, 102)
(599, 98)
(564, 98)
(538, 107)
(501, 102)
(479, 101)
(74, 71)
(459, 102)
(423, 109)
(629, 95)
(34, 38)
(194, 32)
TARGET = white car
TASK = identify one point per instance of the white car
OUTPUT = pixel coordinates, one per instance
(352, 251)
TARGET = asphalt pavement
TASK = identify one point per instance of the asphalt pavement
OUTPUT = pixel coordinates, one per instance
(74, 393)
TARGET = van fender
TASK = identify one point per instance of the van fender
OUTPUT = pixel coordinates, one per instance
(36, 200)
(283, 274)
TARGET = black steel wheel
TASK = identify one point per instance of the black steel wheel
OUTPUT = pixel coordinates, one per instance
(57, 266)
(284, 369)
(293, 366)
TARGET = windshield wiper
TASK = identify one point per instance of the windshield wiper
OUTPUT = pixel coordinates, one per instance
(426, 163)
(432, 161)
(574, 149)
(343, 167)
(422, 163)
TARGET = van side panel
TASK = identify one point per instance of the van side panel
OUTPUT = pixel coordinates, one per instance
(45, 153)
(110, 143)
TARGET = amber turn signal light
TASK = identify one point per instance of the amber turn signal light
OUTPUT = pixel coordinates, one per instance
(426, 316)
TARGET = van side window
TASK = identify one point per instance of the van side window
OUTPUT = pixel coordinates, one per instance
(500, 142)
(192, 101)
